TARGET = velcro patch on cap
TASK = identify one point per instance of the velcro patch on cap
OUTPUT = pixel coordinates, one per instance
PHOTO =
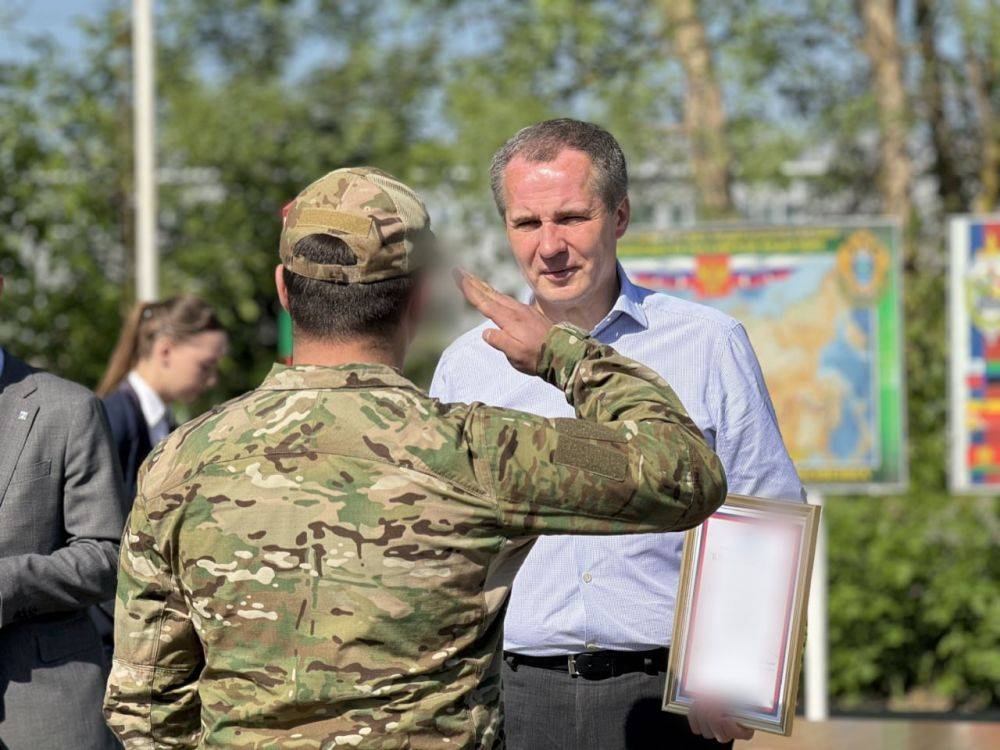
(587, 430)
(584, 454)
(329, 219)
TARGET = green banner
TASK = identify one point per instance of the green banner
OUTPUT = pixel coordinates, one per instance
(284, 337)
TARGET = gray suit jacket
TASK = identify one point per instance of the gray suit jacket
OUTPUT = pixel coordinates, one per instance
(61, 517)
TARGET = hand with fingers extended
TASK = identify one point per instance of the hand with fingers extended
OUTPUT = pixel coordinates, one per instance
(711, 722)
(521, 329)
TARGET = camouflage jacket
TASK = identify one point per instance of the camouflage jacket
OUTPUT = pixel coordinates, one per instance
(324, 561)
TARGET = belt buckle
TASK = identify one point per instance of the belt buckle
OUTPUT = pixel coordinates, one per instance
(571, 665)
(592, 666)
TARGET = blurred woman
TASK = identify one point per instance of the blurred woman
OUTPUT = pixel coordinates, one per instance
(167, 352)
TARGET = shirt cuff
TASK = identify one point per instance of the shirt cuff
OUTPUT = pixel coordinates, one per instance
(564, 347)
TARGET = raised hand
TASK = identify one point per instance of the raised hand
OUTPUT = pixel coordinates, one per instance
(521, 329)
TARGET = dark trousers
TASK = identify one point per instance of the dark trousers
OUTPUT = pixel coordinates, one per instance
(545, 709)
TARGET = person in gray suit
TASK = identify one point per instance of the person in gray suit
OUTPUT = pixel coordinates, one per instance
(61, 518)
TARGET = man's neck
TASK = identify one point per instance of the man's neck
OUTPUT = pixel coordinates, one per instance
(307, 351)
(586, 313)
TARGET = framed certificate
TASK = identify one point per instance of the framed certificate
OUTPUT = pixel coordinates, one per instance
(739, 623)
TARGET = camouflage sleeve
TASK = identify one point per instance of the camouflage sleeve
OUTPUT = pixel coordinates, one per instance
(632, 461)
(152, 696)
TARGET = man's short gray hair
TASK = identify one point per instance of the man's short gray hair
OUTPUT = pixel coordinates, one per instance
(544, 141)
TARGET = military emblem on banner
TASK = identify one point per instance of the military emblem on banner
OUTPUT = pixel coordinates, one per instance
(983, 286)
(713, 276)
(863, 264)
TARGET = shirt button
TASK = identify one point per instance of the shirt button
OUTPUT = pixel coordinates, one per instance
(587, 578)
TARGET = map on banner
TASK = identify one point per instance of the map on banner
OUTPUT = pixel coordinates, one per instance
(975, 353)
(821, 306)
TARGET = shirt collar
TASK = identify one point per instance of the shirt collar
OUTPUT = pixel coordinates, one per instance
(629, 303)
(152, 406)
(310, 377)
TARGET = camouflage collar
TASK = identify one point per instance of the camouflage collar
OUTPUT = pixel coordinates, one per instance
(310, 377)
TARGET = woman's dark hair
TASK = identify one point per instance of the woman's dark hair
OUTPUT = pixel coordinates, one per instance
(179, 318)
(339, 312)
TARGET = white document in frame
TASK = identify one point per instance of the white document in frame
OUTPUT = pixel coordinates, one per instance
(740, 610)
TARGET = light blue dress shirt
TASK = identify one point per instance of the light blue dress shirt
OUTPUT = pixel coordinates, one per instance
(575, 593)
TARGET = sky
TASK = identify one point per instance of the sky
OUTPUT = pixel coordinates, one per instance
(22, 19)
(58, 17)
(30, 17)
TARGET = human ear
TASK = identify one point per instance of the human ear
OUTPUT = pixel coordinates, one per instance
(622, 216)
(163, 347)
(279, 283)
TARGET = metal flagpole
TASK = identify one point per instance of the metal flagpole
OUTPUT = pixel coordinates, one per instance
(143, 53)
(817, 708)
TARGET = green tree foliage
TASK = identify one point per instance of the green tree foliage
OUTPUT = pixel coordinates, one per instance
(240, 132)
(549, 58)
(914, 613)
(65, 163)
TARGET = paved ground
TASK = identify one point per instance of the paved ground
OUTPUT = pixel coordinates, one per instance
(874, 734)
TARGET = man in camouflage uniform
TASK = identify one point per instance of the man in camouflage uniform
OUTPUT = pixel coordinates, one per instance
(324, 561)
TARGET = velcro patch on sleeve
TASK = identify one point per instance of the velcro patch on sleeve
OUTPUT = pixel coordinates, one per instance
(584, 454)
(587, 430)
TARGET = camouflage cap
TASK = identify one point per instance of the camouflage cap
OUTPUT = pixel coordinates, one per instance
(381, 220)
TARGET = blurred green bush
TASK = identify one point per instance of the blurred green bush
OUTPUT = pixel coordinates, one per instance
(914, 612)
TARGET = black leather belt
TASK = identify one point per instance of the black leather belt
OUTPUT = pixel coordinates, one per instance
(595, 665)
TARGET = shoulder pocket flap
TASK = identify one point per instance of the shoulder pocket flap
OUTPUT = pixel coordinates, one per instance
(32, 471)
(587, 430)
(584, 454)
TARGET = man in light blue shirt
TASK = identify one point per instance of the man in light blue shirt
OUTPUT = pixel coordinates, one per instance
(607, 603)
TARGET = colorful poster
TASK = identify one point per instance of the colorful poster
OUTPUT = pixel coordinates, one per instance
(822, 307)
(975, 353)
